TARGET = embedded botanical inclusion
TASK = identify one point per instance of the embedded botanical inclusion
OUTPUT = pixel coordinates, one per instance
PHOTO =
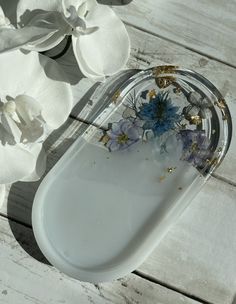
(21, 120)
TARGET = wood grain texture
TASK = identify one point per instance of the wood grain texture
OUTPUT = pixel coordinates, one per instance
(198, 253)
(207, 27)
(197, 256)
(24, 280)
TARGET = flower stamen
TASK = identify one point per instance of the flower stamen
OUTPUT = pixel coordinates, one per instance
(122, 139)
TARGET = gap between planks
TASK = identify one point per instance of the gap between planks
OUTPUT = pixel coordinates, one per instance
(136, 272)
(180, 44)
(170, 287)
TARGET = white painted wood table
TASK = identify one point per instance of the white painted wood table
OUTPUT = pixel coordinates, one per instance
(196, 261)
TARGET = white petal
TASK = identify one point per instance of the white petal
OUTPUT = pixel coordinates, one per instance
(27, 107)
(39, 77)
(43, 14)
(67, 4)
(12, 39)
(82, 9)
(11, 127)
(50, 20)
(105, 51)
(85, 69)
(2, 194)
(30, 112)
(4, 21)
(80, 5)
(40, 166)
(2, 17)
(55, 94)
(73, 19)
(16, 163)
(26, 6)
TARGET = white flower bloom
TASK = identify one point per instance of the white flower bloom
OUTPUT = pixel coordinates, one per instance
(4, 22)
(2, 194)
(100, 41)
(32, 104)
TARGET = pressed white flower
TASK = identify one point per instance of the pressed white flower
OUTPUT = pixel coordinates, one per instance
(34, 100)
(100, 41)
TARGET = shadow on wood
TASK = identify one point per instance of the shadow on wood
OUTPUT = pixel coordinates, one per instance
(234, 300)
(21, 195)
(114, 2)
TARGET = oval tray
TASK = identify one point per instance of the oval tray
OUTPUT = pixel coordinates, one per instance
(155, 140)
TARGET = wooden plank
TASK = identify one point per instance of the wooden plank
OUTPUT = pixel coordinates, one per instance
(148, 50)
(198, 253)
(23, 279)
(205, 26)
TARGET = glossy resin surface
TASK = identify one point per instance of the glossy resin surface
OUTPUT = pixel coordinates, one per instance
(157, 137)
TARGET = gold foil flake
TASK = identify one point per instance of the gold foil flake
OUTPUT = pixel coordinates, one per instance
(164, 82)
(104, 139)
(220, 104)
(213, 162)
(225, 117)
(122, 139)
(161, 178)
(177, 90)
(171, 169)
(152, 94)
(165, 69)
(116, 96)
(195, 120)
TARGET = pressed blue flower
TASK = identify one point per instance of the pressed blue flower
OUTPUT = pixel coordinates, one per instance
(159, 114)
(123, 134)
(195, 147)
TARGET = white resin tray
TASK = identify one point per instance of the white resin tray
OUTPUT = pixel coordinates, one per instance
(112, 197)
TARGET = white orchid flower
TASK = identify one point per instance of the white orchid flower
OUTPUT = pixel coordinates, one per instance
(34, 100)
(2, 194)
(4, 21)
(100, 41)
